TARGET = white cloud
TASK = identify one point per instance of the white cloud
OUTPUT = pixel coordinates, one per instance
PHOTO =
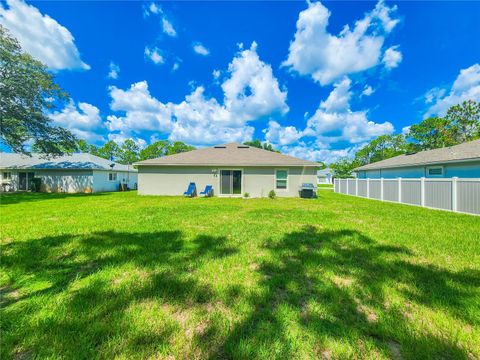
(41, 36)
(250, 92)
(120, 137)
(167, 26)
(392, 57)
(154, 55)
(114, 70)
(200, 49)
(276, 134)
(176, 66)
(368, 90)
(333, 122)
(216, 74)
(465, 87)
(83, 120)
(326, 57)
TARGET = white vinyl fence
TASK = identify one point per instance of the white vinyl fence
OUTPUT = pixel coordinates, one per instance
(454, 194)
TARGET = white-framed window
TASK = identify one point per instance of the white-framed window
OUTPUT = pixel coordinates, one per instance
(112, 176)
(435, 171)
(7, 175)
(281, 179)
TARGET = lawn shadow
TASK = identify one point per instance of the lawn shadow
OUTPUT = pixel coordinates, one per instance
(102, 279)
(330, 286)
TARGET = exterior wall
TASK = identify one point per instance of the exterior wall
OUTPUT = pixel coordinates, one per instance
(257, 181)
(461, 170)
(101, 182)
(69, 181)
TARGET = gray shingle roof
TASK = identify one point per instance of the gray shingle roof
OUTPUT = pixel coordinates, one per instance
(231, 154)
(469, 151)
(78, 161)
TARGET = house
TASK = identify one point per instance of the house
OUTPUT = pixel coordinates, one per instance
(70, 173)
(461, 161)
(232, 169)
(325, 176)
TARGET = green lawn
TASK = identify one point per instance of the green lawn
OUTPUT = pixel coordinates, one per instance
(126, 276)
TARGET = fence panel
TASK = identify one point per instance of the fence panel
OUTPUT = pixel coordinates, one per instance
(438, 194)
(390, 190)
(412, 192)
(352, 186)
(362, 187)
(375, 189)
(468, 196)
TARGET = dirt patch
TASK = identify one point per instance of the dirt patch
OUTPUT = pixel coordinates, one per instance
(342, 282)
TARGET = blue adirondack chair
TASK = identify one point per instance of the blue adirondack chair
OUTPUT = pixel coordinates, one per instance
(191, 191)
(208, 191)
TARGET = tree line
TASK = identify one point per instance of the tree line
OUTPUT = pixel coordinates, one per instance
(460, 124)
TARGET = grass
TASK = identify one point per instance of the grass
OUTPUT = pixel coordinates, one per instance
(125, 276)
(325, 186)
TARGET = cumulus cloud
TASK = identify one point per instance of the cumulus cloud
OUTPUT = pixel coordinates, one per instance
(155, 55)
(333, 122)
(313, 152)
(465, 87)
(200, 49)
(327, 57)
(83, 120)
(114, 70)
(392, 57)
(368, 90)
(41, 36)
(250, 92)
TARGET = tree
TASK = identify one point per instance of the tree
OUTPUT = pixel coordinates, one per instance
(258, 144)
(128, 152)
(27, 93)
(381, 148)
(154, 150)
(110, 150)
(344, 168)
(431, 133)
(84, 147)
(464, 121)
(178, 147)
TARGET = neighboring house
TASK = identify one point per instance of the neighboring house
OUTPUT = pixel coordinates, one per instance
(325, 176)
(461, 161)
(70, 173)
(231, 169)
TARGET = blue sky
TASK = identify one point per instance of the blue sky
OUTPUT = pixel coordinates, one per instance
(317, 80)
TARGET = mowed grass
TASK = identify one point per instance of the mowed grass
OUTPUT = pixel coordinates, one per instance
(125, 276)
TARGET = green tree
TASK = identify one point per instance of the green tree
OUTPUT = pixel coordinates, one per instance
(258, 144)
(154, 150)
(381, 148)
(84, 147)
(128, 152)
(27, 93)
(344, 168)
(431, 133)
(178, 147)
(110, 150)
(464, 121)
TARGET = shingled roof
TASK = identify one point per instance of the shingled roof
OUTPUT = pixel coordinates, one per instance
(469, 151)
(231, 154)
(77, 161)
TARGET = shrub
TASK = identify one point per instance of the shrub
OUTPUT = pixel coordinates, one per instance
(272, 194)
(246, 195)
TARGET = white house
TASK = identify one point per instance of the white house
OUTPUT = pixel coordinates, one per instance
(325, 176)
(231, 169)
(70, 173)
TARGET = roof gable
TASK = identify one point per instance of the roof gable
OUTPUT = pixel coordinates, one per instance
(231, 154)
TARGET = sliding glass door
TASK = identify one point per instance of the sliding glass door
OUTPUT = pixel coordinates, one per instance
(230, 182)
(24, 180)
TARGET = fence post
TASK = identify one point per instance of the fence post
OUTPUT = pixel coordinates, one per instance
(381, 188)
(368, 188)
(356, 186)
(399, 189)
(422, 191)
(454, 193)
(347, 186)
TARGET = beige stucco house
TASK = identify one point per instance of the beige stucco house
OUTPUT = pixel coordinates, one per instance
(76, 173)
(232, 169)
